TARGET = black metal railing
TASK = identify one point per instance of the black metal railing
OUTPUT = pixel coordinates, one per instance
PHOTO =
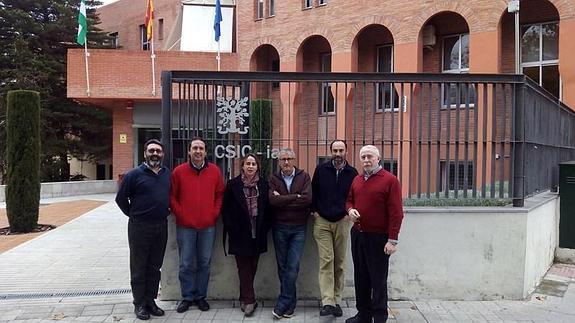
(446, 136)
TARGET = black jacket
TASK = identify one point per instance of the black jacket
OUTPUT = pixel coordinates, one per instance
(236, 219)
(145, 195)
(330, 190)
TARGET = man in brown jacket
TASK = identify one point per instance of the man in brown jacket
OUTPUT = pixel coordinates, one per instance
(290, 196)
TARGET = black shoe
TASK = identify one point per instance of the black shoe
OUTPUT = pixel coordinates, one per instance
(326, 310)
(289, 314)
(141, 312)
(337, 311)
(154, 309)
(202, 304)
(357, 319)
(183, 306)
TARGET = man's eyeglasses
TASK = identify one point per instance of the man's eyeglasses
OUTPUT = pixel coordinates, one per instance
(152, 150)
(285, 160)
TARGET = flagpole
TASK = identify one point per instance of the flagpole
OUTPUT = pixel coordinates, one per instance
(86, 54)
(218, 58)
(153, 56)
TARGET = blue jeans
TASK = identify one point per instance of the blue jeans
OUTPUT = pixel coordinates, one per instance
(289, 241)
(195, 249)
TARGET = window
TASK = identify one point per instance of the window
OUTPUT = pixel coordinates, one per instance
(114, 40)
(463, 168)
(322, 2)
(540, 55)
(327, 100)
(275, 68)
(385, 100)
(144, 38)
(456, 61)
(160, 29)
(259, 9)
(307, 4)
(322, 159)
(390, 166)
(271, 8)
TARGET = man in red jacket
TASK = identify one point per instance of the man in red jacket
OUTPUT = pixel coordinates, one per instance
(196, 193)
(374, 205)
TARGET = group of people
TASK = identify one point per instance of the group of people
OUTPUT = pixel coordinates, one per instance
(250, 206)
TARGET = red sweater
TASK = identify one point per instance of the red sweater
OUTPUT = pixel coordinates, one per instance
(378, 201)
(196, 196)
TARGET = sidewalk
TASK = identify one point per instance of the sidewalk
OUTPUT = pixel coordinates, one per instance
(79, 272)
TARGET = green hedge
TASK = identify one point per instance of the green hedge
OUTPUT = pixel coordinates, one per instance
(23, 159)
(261, 132)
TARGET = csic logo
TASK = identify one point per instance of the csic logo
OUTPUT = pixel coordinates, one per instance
(232, 116)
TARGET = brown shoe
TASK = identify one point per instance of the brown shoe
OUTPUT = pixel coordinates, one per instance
(250, 308)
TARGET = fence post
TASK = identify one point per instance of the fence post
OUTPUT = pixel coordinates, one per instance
(518, 136)
(167, 117)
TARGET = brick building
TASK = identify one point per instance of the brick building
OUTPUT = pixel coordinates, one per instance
(439, 36)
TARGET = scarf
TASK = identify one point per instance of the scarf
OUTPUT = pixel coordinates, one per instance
(251, 193)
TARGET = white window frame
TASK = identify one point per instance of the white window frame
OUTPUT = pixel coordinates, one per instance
(459, 70)
(392, 90)
(144, 43)
(307, 4)
(322, 2)
(541, 63)
(259, 9)
(271, 8)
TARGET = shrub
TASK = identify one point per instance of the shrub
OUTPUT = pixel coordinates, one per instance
(23, 160)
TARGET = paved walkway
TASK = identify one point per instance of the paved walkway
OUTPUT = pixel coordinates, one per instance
(57, 213)
(79, 273)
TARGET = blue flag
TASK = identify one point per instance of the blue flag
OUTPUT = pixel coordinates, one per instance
(217, 20)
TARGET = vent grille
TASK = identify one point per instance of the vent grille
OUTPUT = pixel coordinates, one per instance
(64, 294)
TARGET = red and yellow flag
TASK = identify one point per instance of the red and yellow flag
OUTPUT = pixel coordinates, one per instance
(149, 19)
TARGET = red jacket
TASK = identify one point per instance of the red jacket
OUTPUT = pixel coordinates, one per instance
(196, 196)
(378, 201)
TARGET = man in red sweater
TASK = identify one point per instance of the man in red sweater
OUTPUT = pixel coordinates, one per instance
(196, 193)
(374, 205)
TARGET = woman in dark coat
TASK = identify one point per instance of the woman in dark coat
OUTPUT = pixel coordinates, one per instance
(245, 213)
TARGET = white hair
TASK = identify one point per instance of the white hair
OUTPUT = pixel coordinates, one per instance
(371, 149)
(288, 151)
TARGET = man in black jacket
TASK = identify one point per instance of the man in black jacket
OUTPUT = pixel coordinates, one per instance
(144, 197)
(330, 184)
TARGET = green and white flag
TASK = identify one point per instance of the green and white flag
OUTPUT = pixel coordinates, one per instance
(82, 24)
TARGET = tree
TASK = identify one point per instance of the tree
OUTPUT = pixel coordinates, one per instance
(261, 131)
(23, 157)
(34, 38)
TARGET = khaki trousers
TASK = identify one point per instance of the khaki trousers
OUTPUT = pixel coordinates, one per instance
(331, 239)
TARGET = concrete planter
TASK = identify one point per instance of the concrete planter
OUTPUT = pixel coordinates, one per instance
(448, 253)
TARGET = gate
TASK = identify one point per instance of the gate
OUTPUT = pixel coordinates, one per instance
(445, 136)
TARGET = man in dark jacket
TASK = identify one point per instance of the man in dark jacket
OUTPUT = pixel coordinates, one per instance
(144, 197)
(290, 195)
(331, 183)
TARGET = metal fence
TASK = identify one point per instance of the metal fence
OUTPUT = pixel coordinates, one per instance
(443, 135)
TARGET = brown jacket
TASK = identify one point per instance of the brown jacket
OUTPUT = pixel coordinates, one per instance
(288, 207)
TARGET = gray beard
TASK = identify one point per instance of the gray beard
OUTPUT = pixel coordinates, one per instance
(154, 163)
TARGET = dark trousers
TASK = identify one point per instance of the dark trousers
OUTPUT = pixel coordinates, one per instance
(370, 266)
(147, 241)
(247, 267)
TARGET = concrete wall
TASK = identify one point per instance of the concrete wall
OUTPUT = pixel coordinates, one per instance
(58, 189)
(454, 253)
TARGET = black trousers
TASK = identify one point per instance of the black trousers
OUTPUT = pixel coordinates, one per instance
(370, 266)
(147, 241)
(247, 268)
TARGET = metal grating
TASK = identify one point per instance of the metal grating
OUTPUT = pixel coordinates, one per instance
(64, 294)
